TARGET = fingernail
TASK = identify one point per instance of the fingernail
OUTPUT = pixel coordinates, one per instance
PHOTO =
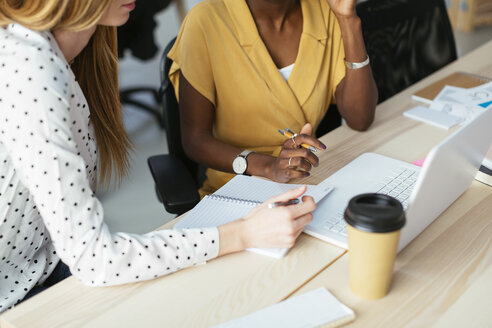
(323, 146)
(308, 174)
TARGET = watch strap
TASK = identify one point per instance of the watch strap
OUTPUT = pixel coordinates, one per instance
(245, 153)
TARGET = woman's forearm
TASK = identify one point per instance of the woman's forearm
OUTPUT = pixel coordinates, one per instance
(231, 237)
(356, 95)
(200, 146)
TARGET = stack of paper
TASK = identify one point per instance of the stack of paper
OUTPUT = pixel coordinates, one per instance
(456, 99)
(454, 105)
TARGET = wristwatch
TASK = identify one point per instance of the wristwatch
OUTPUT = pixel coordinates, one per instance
(239, 165)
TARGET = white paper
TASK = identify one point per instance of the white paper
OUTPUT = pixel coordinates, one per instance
(260, 190)
(487, 161)
(477, 96)
(463, 103)
(312, 309)
(434, 117)
(463, 113)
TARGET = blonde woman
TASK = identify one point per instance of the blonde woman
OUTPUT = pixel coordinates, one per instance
(59, 111)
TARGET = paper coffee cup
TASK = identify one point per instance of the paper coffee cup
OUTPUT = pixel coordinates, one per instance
(374, 224)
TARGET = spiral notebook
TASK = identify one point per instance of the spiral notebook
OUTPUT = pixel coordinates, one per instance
(236, 199)
(317, 308)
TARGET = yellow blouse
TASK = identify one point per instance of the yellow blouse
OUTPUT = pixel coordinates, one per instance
(223, 57)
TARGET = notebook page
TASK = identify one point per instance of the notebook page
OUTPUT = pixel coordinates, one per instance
(236, 199)
(312, 309)
(260, 190)
(212, 212)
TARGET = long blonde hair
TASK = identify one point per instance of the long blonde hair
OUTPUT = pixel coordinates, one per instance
(96, 69)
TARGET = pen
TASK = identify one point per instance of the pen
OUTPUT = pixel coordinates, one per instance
(289, 133)
(289, 202)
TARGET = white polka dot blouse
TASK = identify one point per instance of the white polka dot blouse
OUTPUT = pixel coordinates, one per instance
(48, 157)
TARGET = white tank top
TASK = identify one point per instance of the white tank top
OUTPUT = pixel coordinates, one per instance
(286, 71)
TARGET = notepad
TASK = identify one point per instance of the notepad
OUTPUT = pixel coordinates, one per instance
(313, 309)
(433, 117)
(237, 198)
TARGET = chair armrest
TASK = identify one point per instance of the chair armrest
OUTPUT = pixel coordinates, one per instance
(175, 185)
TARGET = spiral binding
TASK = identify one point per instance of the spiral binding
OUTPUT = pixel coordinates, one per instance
(234, 200)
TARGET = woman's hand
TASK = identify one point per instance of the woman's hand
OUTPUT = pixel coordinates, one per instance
(276, 227)
(343, 8)
(293, 160)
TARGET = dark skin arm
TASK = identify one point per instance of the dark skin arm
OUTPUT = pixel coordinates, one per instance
(356, 104)
(356, 95)
(201, 146)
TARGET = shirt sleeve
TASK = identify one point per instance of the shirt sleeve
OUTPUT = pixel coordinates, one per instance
(38, 131)
(191, 55)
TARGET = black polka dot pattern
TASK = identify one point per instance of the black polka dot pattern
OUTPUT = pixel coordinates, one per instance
(48, 174)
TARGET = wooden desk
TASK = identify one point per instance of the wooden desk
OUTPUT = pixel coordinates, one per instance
(442, 277)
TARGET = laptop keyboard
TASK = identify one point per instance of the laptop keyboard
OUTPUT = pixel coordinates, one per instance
(398, 184)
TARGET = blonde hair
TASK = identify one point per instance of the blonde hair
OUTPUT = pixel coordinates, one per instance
(96, 69)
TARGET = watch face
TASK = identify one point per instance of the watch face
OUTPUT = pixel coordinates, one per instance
(239, 165)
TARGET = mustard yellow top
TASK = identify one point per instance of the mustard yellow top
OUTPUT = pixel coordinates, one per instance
(224, 58)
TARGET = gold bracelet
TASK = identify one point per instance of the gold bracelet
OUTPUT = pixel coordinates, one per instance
(351, 65)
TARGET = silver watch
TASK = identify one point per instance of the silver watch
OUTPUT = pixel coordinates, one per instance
(239, 165)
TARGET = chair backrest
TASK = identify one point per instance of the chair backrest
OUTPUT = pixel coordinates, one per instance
(171, 118)
(406, 40)
(330, 121)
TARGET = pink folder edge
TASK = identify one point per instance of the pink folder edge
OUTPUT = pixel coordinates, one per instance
(419, 162)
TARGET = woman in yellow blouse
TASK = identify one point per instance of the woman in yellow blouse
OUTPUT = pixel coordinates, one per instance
(245, 68)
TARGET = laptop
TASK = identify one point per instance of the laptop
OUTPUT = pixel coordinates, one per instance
(448, 171)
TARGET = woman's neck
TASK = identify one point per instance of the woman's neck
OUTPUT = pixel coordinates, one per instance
(274, 11)
(72, 43)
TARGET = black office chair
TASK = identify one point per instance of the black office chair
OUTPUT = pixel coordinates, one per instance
(137, 36)
(176, 176)
(406, 40)
(330, 121)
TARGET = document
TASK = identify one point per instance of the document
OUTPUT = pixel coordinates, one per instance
(457, 79)
(312, 309)
(454, 105)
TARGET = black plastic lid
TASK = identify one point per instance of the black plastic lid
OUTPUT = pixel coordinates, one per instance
(375, 213)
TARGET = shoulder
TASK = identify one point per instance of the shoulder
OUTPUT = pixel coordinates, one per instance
(29, 56)
(207, 12)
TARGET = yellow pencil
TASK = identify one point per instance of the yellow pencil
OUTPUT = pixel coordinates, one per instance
(289, 133)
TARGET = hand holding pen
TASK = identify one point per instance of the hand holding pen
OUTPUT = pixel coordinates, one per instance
(297, 156)
(280, 220)
(286, 203)
(292, 135)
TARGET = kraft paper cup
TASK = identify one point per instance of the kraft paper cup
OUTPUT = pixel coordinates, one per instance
(374, 224)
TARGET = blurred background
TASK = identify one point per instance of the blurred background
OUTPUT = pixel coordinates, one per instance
(133, 207)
